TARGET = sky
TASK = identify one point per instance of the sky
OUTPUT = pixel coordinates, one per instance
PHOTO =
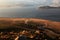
(4, 2)
(56, 3)
(25, 2)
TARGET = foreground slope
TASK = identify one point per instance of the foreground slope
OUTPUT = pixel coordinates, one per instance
(51, 28)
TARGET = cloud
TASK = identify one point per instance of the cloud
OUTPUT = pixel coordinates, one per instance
(21, 2)
(55, 3)
(24, 1)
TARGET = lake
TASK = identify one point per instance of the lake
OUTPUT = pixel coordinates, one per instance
(31, 12)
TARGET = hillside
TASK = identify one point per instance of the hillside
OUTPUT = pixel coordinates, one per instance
(50, 28)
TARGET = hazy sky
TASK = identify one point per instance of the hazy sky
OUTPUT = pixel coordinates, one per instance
(25, 2)
(21, 1)
(18, 1)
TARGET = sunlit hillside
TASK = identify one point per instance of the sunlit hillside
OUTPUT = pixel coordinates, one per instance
(16, 25)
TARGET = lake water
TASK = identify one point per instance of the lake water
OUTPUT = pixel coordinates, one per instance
(31, 12)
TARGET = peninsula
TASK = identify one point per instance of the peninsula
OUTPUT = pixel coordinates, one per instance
(49, 7)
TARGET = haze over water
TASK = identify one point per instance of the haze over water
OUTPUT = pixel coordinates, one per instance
(30, 12)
